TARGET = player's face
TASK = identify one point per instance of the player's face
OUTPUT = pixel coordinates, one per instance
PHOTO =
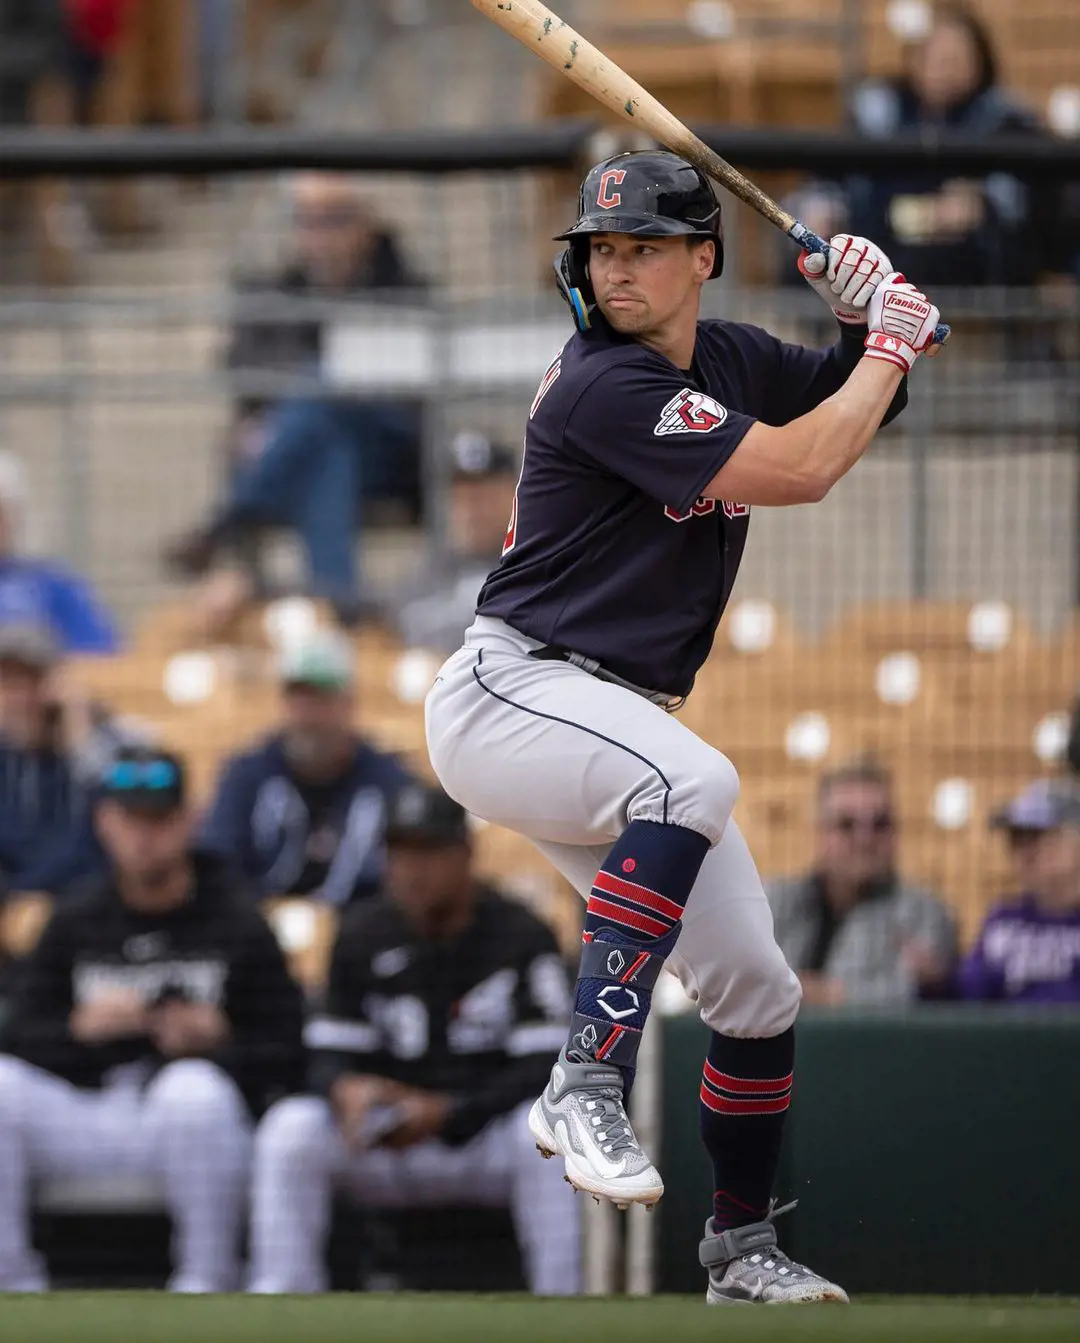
(317, 729)
(857, 836)
(642, 284)
(146, 846)
(1056, 864)
(432, 884)
(23, 695)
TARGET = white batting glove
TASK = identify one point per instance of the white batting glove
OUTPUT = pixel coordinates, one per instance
(847, 277)
(902, 322)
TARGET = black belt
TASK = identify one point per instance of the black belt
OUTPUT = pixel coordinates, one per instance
(669, 703)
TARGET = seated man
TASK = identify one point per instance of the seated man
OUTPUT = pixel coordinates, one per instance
(306, 461)
(1028, 950)
(851, 928)
(303, 812)
(53, 746)
(435, 611)
(444, 1004)
(42, 592)
(155, 1018)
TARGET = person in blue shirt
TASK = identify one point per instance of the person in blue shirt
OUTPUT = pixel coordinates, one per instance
(42, 592)
(304, 812)
(47, 840)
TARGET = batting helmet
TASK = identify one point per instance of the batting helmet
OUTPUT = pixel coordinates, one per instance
(652, 194)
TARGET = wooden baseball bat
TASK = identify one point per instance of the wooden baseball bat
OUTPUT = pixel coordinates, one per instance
(554, 41)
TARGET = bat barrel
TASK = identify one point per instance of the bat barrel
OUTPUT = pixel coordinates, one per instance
(809, 241)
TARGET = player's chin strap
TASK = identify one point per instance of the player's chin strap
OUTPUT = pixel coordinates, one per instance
(571, 292)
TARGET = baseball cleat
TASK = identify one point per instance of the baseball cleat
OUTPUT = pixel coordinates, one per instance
(581, 1118)
(746, 1267)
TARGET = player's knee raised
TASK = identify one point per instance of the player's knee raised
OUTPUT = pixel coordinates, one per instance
(292, 1127)
(196, 1088)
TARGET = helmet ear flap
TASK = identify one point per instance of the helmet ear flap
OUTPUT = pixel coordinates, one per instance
(572, 277)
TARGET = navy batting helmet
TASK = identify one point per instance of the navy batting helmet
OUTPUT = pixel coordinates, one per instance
(652, 194)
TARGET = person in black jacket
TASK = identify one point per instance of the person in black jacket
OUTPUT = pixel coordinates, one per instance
(154, 1023)
(444, 1003)
(306, 461)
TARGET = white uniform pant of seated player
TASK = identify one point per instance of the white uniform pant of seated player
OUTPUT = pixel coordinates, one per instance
(555, 754)
(301, 1157)
(189, 1128)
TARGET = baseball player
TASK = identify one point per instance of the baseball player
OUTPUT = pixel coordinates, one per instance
(651, 437)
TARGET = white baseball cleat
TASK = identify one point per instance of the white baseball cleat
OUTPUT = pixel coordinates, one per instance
(581, 1117)
(746, 1267)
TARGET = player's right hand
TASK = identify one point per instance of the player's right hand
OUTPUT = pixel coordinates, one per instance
(110, 1016)
(901, 322)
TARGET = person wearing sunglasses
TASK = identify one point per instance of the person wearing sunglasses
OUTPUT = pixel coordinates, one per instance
(1028, 950)
(151, 1026)
(853, 929)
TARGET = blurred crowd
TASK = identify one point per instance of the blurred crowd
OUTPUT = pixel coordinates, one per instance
(151, 1025)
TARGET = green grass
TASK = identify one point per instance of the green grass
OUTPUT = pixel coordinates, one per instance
(140, 1317)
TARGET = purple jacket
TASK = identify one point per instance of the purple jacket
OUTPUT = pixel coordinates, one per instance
(1024, 955)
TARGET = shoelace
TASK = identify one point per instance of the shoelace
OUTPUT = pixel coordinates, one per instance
(618, 1135)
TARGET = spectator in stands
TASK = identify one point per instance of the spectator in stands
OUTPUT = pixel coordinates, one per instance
(444, 1003)
(852, 929)
(155, 1019)
(42, 592)
(307, 461)
(937, 226)
(1072, 748)
(303, 813)
(434, 611)
(54, 745)
(1028, 950)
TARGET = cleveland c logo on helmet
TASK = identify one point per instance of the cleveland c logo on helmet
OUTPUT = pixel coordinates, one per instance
(605, 197)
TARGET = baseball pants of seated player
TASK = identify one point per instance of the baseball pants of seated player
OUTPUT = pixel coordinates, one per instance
(300, 1157)
(568, 760)
(189, 1127)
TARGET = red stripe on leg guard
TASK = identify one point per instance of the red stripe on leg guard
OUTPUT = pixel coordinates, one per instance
(756, 1085)
(635, 967)
(610, 1043)
(757, 1106)
(629, 918)
(641, 895)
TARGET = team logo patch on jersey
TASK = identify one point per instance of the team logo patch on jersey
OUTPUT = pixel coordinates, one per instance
(690, 413)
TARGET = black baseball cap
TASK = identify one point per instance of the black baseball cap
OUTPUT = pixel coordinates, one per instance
(425, 817)
(145, 780)
(1044, 805)
(477, 457)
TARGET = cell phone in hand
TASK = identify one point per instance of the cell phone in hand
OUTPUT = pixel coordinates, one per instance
(378, 1123)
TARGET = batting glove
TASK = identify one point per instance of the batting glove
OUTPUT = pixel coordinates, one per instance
(902, 322)
(847, 277)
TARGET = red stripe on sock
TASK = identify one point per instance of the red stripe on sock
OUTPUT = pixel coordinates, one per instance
(641, 895)
(610, 1043)
(629, 918)
(756, 1085)
(758, 1106)
(635, 967)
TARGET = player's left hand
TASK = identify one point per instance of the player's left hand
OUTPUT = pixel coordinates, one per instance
(423, 1113)
(847, 277)
(188, 1030)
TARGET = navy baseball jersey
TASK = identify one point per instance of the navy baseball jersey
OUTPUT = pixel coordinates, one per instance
(611, 551)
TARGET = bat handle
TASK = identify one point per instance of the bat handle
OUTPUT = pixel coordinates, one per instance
(809, 241)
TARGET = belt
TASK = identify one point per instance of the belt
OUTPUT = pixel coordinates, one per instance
(546, 653)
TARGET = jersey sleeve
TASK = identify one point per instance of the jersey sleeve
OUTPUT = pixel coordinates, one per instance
(651, 427)
(804, 378)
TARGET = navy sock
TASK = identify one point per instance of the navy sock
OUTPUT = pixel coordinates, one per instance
(632, 922)
(745, 1093)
